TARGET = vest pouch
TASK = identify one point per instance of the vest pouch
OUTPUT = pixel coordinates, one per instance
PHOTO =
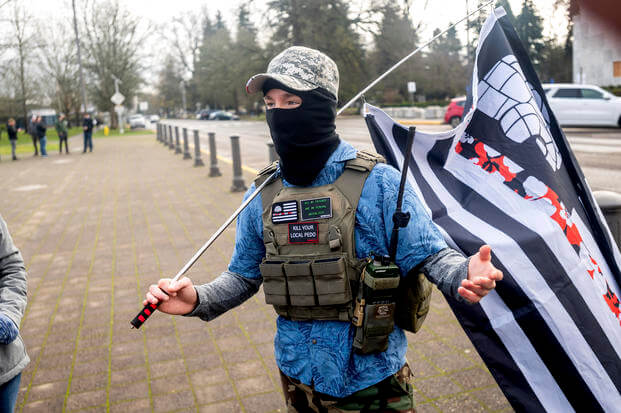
(413, 301)
(300, 283)
(331, 281)
(274, 282)
(377, 326)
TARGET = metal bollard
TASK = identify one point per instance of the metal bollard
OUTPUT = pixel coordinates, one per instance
(163, 131)
(238, 180)
(171, 139)
(197, 150)
(157, 132)
(271, 152)
(213, 157)
(186, 145)
(610, 204)
(177, 144)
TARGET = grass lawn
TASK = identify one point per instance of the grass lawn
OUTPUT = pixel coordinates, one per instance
(24, 142)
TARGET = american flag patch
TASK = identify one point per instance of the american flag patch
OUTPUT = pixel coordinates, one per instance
(286, 211)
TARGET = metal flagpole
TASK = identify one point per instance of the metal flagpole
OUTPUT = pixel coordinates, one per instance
(150, 308)
(400, 62)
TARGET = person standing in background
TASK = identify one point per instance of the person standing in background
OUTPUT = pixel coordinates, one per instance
(87, 125)
(41, 130)
(32, 131)
(12, 131)
(61, 129)
(13, 287)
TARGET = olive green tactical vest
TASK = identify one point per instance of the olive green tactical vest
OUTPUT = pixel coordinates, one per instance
(310, 270)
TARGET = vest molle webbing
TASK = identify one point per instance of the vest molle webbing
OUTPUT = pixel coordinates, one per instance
(310, 271)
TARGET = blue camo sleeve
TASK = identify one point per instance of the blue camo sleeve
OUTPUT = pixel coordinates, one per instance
(249, 249)
(419, 240)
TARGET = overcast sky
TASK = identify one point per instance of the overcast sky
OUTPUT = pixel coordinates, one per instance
(437, 13)
(431, 13)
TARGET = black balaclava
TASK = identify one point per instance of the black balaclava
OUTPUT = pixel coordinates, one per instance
(304, 137)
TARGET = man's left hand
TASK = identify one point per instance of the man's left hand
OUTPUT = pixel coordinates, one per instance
(482, 276)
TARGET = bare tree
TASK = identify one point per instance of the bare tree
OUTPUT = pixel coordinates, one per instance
(112, 42)
(22, 44)
(185, 35)
(59, 61)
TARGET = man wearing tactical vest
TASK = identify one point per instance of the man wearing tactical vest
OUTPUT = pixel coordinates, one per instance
(317, 238)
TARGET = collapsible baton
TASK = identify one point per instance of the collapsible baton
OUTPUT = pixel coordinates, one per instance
(400, 219)
(150, 308)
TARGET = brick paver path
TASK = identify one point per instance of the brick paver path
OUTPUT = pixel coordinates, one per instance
(96, 229)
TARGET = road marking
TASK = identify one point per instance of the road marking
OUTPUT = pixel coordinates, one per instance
(229, 161)
(26, 188)
(595, 145)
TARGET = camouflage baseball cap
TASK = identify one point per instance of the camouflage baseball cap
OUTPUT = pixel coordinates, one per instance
(299, 68)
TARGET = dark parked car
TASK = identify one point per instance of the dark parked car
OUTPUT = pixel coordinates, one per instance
(203, 114)
(222, 115)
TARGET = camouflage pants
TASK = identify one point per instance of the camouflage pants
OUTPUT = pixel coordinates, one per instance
(393, 394)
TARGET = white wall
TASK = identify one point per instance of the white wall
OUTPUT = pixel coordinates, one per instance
(595, 48)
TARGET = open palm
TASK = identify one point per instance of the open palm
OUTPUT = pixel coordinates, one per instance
(482, 276)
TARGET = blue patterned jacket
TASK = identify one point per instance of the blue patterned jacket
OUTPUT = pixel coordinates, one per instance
(320, 353)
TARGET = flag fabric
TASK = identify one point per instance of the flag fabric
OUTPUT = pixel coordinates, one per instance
(550, 333)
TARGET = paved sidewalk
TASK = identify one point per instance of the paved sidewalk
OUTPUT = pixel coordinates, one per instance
(96, 229)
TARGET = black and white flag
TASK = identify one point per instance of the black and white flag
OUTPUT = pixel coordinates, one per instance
(550, 332)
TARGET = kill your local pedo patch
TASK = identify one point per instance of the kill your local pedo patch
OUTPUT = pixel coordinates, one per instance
(283, 212)
(304, 233)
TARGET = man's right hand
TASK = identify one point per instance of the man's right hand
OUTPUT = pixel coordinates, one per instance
(181, 298)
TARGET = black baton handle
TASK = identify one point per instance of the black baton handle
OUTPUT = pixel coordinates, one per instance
(146, 312)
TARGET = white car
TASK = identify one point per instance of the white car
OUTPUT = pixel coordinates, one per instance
(137, 121)
(585, 105)
(154, 118)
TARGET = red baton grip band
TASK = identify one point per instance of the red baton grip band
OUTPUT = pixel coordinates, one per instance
(144, 314)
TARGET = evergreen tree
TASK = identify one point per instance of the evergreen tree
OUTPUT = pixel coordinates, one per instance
(169, 86)
(249, 58)
(555, 65)
(475, 24)
(215, 79)
(529, 27)
(445, 73)
(324, 25)
(395, 39)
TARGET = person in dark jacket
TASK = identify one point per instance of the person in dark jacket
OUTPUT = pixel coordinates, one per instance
(13, 287)
(87, 125)
(41, 129)
(61, 129)
(32, 131)
(12, 131)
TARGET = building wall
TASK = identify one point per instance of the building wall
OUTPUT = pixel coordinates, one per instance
(595, 49)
